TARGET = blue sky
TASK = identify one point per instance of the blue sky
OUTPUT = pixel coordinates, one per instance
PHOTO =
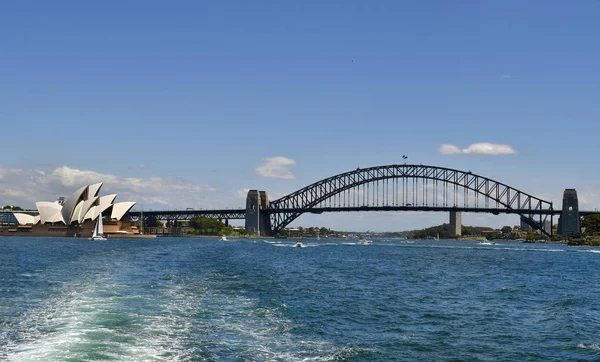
(157, 97)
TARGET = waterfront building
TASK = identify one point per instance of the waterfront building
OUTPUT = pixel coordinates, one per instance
(75, 215)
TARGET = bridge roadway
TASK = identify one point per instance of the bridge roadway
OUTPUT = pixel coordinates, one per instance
(229, 214)
(222, 214)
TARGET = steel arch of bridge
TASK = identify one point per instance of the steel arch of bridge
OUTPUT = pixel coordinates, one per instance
(413, 187)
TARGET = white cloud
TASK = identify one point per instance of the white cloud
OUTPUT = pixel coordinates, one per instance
(274, 195)
(8, 172)
(483, 148)
(489, 149)
(14, 193)
(447, 149)
(28, 186)
(589, 197)
(276, 167)
(242, 194)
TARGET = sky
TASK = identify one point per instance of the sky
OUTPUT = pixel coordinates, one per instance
(192, 103)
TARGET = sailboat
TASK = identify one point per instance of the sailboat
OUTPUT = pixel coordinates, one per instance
(98, 234)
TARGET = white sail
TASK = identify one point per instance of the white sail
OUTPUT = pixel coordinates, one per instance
(95, 232)
(99, 226)
(98, 233)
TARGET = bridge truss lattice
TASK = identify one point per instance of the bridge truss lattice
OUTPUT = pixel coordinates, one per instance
(409, 187)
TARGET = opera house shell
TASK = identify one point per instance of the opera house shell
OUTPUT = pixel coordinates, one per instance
(77, 215)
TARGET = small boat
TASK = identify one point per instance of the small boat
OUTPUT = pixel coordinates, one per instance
(365, 242)
(98, 233)
(223, 238)
(485, 242)
(299, 244)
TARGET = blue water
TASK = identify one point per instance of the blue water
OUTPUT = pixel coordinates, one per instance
(185, 299)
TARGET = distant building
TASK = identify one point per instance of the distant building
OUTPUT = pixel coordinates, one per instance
(76, 215)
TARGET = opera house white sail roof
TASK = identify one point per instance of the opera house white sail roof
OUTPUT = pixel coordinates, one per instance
(84, 204)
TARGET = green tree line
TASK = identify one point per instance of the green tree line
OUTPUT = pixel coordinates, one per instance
(207, 226)
(13, 208)
(444, 232)
(591, 224)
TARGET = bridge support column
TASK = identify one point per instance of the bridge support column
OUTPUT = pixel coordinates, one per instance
(455, 223)
(258, 221)
(568, 222)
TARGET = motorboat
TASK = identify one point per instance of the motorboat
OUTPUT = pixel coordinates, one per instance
(98, 233)
(486, 242)
(223, 238)
(365, 242)
(299, 244)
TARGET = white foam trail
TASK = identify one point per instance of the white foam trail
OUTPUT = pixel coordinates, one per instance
(103, 319)
(589, 251)
(594, 346)
(258, 333)
(87, 322)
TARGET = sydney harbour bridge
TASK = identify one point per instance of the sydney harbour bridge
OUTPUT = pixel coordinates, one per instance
(401, 187)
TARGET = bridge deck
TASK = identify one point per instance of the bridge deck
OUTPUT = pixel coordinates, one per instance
(190, 214)
(241, 213)
(495, 211)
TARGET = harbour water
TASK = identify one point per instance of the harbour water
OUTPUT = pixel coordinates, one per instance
(188, 299)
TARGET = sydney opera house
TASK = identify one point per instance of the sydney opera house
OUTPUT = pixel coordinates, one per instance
(76, 216)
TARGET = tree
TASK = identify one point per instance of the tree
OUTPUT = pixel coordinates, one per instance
(591, 223)
(506, 229)
(12, 207)
(531, 236)
(208, 226)
(575, 235)
(152, 222)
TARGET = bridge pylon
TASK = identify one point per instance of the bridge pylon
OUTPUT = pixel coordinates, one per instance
(258, 221)
(568, 222)
(455, 223)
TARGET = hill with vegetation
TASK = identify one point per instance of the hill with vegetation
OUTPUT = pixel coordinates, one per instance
(443, 231)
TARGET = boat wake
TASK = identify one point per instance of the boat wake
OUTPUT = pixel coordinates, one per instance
(108, 316)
